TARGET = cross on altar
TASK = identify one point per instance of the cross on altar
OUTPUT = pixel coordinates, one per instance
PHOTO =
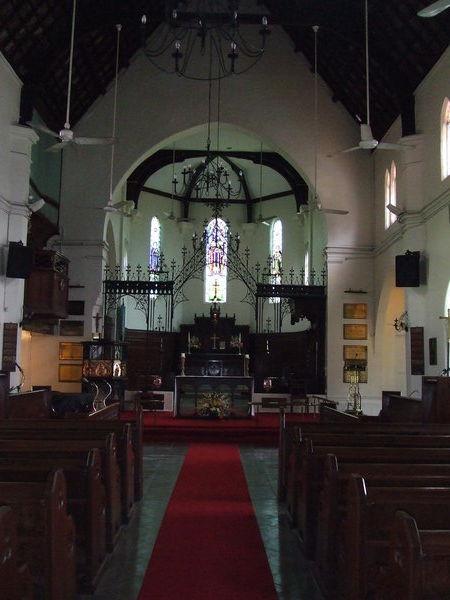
(216, 289)
(215, 338)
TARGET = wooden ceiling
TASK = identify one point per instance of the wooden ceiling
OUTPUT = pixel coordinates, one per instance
(35, 35)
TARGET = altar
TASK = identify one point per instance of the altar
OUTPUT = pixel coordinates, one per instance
(190, 390)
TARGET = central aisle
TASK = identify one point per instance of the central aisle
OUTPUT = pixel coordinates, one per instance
(209, 544)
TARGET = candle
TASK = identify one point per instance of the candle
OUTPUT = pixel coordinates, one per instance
(189, 341)
(183, 355)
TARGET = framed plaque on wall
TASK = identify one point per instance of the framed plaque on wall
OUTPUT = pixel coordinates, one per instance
(355, 332)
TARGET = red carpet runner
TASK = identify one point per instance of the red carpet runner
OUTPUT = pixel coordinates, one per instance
(209, 546)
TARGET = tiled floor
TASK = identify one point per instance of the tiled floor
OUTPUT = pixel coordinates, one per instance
(162, 463)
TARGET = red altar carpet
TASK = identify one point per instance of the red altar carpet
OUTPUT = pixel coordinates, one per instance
(209, 545)
(264, 429)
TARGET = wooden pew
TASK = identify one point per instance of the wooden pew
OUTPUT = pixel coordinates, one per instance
(304, 507)
(291, 432)
(74, 452)
(419, 560)
(74, 423)
(96, 436)
(86, 503)
(366, 528)
(46, 534)
(333, 495)
(15, 578)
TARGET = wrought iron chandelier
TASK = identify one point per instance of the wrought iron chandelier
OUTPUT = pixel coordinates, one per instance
(207, 31)
(215, 180)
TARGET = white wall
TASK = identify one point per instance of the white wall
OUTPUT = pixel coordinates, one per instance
(15, 152)
(424, 227)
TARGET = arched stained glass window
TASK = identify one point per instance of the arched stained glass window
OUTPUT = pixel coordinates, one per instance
(390, 194)
(276, 253)
(216, 261)
(445, 139)
(155, 243)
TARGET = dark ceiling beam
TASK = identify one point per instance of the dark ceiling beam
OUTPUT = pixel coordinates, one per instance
(162, 158)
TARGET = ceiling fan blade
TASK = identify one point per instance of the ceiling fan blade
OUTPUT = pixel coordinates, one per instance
(348, 150)
(57, 147)
(43, 128)
(334, 211)
(434, 9)
(94, 141)
(366, 132)
(388, 146)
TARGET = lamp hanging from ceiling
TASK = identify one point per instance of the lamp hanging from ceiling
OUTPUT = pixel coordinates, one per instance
(207, 29)
(214, 181)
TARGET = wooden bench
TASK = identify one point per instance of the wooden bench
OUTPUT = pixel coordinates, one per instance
(419, 560)
(364, 536)
(46, 534)
(333, 495)
(69, 452)
(292, 432)
(15, 577)
(105, 426)
(303, 503)
(93, 436)
(86, 503)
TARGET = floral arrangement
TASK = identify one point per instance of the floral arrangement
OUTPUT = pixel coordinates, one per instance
(214, 404)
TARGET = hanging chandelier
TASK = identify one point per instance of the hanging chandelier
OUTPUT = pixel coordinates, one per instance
(215, 181)
(208, 31)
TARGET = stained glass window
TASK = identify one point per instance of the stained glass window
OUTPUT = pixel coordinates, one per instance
(155, 243)
(216, 261)
(390, 194)
(276, 253)
(445, 139)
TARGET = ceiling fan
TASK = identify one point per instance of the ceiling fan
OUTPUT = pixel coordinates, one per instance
(125, 208)
(314, 203)
(434, 9)
(367, 141)
(66, 136)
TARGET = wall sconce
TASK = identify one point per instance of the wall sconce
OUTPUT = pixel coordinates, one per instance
(401, 323)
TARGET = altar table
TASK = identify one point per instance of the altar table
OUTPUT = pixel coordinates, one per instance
(190, 390)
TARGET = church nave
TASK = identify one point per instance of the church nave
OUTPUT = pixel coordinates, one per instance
(162, 465)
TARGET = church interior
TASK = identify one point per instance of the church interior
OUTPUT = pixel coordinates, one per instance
(224, 268)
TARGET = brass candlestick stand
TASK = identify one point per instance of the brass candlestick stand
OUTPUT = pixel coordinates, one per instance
(354, 368)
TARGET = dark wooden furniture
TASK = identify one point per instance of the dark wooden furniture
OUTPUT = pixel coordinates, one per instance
(214, 334)
(14, 575)
(436, 398)
(190, 390)
(46, 289)
(58, 452)
(47, 534)
(214, 364)
(418, 560)
(86, 504)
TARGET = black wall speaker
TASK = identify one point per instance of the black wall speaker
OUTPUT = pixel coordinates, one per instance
(407, 270)
(20, 260)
